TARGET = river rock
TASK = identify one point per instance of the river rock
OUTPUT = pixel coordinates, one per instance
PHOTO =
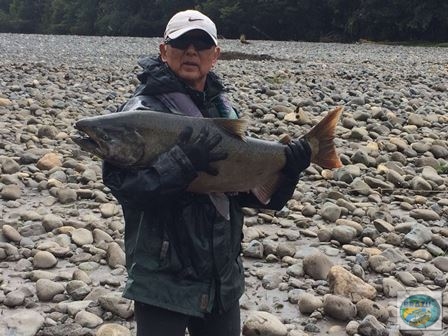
(66, 329)
(330, 212)
(5, 102)
(113, 329)
(14, 298)
(82, 276)
(23, 322)
(358, 227)
(383, 226)
(115, 255)
(272, 280)
(87, 319)
(344, 234)
(317, 265)
(77, 289)
(381, 264)
(308, 303)
(66, 195)
(11, 192)
(117, 305)
(324, 234)
(82, 237)
(344, 283)
(41, 274)
(108, 210)
(418, 236)
(295, 270)
(47, 289)
(431, 271)
(253, 250)
(263, 323)
(431, 174)
(44, 259)
(441, 263)
(285, 249)
(49, 161)
(407, 279)
(420, 184)
(366, 307)
(370, 326)
(101, 236)
(352, 328)
(51, 222)
(391, 287)
(11, 233)
(339, 307)
(424, 214)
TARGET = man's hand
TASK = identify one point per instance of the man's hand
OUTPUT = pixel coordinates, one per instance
(298, 158)
(199, 149)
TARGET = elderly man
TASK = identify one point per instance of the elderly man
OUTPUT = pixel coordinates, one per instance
(183, 249)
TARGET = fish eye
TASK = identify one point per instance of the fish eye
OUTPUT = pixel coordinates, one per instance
(105, 137)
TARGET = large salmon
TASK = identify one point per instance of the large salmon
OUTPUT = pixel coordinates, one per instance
(135, 138)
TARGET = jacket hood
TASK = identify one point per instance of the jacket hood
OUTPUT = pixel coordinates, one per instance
(157, 78)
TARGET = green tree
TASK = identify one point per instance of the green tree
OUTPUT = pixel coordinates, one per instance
(25, 15)
(71, 17)
(312, 20)
(267, 19)
(5, 24)
(343, 25)
(427, 20)
(229, 16)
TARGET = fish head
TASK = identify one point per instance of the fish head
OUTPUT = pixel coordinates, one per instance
(118, 144)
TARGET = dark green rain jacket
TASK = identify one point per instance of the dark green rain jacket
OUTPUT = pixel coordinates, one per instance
(181, 254)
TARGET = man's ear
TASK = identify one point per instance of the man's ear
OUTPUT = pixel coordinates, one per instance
(162, 49)
(217, 53)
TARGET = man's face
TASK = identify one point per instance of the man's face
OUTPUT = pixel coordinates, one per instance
(191, 56)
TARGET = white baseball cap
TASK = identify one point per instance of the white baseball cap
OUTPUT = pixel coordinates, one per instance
(185, 21)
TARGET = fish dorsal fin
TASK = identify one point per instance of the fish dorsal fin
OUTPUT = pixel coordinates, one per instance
(234, 127)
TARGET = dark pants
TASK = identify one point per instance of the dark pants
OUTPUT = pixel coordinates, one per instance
(155, 321)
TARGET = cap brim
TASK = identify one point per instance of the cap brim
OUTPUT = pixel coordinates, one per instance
(180, 32)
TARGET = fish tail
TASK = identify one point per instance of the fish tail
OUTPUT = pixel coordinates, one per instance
(321, 140)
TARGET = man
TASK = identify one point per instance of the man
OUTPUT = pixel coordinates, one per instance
(183, 249)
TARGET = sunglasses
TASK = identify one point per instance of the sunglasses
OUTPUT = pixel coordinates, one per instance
(198, 42)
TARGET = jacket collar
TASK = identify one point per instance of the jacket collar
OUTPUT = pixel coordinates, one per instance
(157, 78)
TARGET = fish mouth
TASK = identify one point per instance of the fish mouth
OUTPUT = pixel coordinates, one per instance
(83, 140)
(86, 143)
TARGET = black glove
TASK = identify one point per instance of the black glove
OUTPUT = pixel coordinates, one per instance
(199, 150)
(298, 158)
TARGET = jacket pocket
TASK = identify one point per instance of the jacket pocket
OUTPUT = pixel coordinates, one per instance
(169, 260)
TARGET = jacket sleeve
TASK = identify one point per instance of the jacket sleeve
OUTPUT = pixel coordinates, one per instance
(171, 173)
(282, 195)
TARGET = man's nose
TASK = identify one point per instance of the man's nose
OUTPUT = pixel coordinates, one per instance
(191, 48)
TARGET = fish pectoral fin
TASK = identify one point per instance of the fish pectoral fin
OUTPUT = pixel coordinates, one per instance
(265, 191)
(285, 139)
(321, 139)
(234, 127)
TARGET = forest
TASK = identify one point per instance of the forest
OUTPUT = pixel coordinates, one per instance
(296, 20)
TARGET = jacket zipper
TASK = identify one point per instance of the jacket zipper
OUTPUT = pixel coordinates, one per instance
(142, 215)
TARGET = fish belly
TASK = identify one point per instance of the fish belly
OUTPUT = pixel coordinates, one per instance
(250, 164)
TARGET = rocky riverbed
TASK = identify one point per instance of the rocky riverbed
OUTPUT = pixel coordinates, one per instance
(332, 262)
